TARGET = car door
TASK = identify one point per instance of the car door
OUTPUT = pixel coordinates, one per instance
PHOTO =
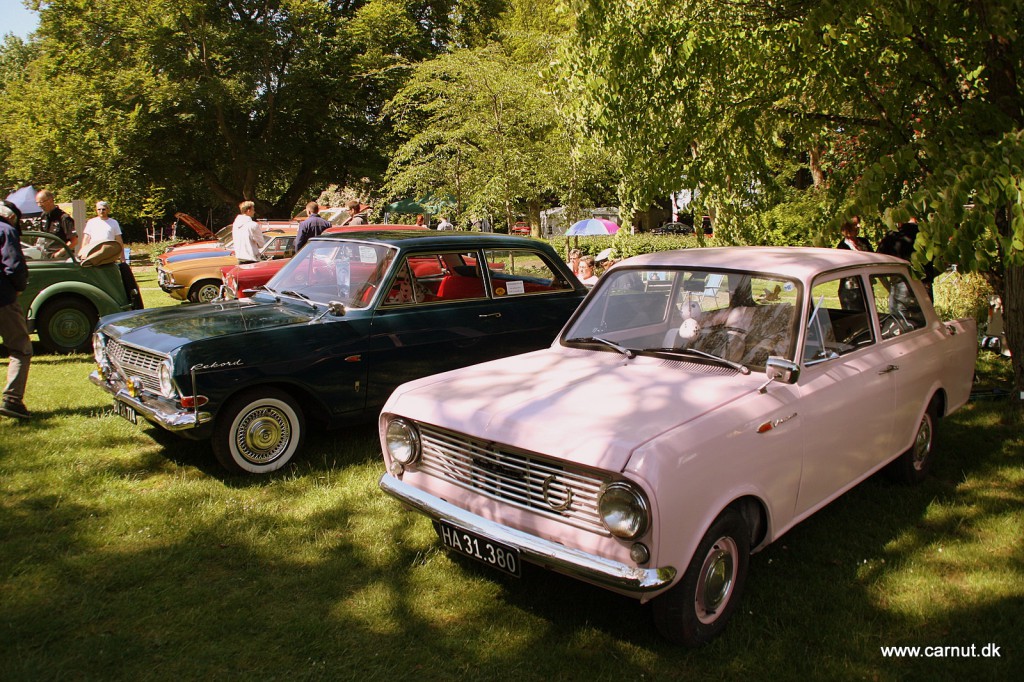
(532, 295)
(847, 391)
(910, 350)
(435, 313)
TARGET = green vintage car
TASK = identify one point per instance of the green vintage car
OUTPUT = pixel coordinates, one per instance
(65, 299)
(329, 337)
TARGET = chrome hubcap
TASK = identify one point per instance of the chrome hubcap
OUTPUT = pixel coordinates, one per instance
(715, 583)
(923, 442)
(263, 435)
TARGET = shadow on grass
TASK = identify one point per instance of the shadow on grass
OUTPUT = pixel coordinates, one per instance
(312, 573)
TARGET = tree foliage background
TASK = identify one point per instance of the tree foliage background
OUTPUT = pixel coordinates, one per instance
(900, 107)
(214, 100)
(786, 116)
(486, 125)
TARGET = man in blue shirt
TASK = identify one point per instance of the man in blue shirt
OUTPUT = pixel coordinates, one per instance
(311, 227)
(13, 328)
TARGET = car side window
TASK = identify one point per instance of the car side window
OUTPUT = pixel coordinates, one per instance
(897, 306)
(279, 247)
(838, 322)
(455, 276)
(415, 280)
(439, 276)
(515, 272)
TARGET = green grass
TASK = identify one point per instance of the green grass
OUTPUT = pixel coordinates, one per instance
(125, 553)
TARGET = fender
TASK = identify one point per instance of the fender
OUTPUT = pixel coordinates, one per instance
(104, 302)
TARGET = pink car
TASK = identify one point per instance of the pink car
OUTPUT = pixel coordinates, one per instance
(697, 406)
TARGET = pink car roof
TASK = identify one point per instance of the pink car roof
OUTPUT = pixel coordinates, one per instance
(796, 262)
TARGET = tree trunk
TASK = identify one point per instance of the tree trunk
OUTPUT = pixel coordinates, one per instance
(533, 216)
(817, 173)
(1013, 319)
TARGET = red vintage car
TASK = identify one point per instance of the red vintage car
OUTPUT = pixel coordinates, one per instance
(241, 278)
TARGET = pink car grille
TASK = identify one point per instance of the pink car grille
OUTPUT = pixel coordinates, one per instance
(519, 479)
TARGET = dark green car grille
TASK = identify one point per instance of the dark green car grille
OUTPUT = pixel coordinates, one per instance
(134, 362)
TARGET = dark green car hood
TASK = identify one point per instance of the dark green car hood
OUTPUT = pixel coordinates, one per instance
(164, 329)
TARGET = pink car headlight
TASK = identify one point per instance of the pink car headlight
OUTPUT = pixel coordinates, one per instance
(402, 440)
(623, 510)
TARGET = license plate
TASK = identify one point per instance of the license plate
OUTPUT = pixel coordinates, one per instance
(490, 552)
(126, 411)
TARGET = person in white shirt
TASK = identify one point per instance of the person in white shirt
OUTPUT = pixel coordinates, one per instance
(101, 228)
(246, 235)
(444, 224)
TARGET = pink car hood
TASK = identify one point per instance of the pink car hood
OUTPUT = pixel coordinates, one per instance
(590, 407)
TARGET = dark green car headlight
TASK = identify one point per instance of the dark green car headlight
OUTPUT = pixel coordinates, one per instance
(167, 389)
(99, 349)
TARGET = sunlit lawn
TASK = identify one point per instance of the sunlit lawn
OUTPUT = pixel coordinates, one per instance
(126, 553)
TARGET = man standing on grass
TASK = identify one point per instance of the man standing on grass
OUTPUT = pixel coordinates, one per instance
(13, 327)
(55, 220)
(102, 229)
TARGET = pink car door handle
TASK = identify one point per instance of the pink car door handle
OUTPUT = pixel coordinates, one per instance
(890, 368)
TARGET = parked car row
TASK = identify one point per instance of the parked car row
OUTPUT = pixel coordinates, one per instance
(330, 336)
(693, 409)
(197, 276)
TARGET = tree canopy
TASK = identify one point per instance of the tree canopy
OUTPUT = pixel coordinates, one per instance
(485, 124)
(901, 108)
(235, 99)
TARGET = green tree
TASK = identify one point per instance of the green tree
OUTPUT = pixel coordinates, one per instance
(232, 100)
(486, 125)
(477, 124)
(909, 107)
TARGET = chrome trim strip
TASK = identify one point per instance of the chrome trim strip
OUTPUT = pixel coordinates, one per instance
(172, 421)
(571, 562)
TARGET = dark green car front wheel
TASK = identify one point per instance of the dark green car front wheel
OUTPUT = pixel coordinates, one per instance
(258, 431)
(65, 325)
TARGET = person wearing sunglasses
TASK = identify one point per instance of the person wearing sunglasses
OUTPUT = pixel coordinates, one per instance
(102, 228)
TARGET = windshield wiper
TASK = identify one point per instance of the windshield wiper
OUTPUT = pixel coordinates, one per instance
(739, 367)
(628, 352)
(299, 295)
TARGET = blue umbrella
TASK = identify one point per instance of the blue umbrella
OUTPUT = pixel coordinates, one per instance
(592, 226)
(25, 200)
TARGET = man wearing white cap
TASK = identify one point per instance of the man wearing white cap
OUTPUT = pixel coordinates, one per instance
(101, 228)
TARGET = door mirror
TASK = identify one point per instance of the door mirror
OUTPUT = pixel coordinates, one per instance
(780, 369)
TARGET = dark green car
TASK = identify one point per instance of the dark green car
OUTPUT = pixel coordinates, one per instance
(351, 317)
(64, 299)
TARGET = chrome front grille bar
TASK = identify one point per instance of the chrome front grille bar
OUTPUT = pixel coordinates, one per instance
(515, 477)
